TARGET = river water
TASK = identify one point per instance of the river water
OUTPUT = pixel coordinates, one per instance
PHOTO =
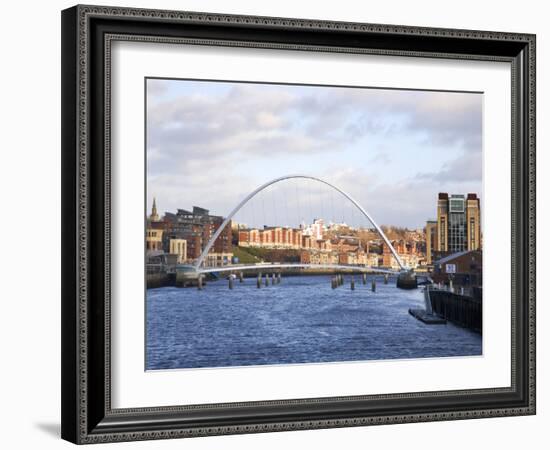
(301, 320)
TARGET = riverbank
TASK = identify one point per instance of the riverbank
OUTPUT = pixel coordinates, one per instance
(157, 280)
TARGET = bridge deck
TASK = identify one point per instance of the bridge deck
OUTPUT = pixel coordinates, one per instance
(275, 267)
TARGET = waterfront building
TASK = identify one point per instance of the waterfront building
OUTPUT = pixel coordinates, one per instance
(243, 238)
(305, 257)
(178, 247)
(215, 259)
(196, 227)
(316, 229)
(253, 237)
(410, 260)
(249, 238)
(473, 215)
(356, 257)
(318, 257)
(387, 257)
(458, 223)
(157, 261)
(464, 268)
(238, 226)
(287, 238)
(333, 226)
(271, 237)
(323, 244)
(408, 251)
(296, 239)
(372, 259)
(153, 240)
(266, 238)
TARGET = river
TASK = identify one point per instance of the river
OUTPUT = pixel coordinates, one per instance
(301, 320)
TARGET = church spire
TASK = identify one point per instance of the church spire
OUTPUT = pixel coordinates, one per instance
(154, 216)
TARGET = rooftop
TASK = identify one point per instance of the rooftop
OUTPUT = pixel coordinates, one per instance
(453, 256)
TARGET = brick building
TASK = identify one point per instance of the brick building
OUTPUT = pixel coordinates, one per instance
(196, 227)
(464, 268)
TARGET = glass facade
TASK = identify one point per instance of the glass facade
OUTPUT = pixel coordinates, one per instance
(457, 232)
(456, 205)
(458, 222)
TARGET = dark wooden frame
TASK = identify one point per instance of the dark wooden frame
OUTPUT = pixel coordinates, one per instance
(87, 31)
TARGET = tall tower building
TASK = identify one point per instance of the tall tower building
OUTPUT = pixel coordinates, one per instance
(442, 221)
(431, 240)
(458, 223)
(154, 217)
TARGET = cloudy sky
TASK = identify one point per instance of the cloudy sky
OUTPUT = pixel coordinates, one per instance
(210, 143)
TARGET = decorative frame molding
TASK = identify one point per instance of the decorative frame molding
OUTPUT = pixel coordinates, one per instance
(87, 34)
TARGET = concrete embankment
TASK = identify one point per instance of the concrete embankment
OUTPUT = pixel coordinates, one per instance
(156, 280)
(191, 279)
(305, 272)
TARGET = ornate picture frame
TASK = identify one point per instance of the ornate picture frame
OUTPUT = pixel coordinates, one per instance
(88, 33)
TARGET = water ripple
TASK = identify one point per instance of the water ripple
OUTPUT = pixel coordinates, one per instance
(301, 320)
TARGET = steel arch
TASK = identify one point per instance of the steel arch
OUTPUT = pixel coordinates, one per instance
(287, 177)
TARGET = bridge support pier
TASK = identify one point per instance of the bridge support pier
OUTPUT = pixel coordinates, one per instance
(273, 278)
(266, 279)
(373, 285)
(259, 280)
(407, 280)
(199, 282)
(241, 277)
(230, 280)
(352, 283)
(386, 278)
(364, 277)
(279, 278)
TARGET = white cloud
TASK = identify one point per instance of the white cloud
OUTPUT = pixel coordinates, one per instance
(197, 140)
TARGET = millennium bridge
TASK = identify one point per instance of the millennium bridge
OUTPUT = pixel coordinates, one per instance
(406, 278)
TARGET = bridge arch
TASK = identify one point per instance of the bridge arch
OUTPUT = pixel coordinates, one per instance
(245, 200)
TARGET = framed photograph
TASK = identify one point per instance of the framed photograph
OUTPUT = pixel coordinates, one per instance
(277, 224)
